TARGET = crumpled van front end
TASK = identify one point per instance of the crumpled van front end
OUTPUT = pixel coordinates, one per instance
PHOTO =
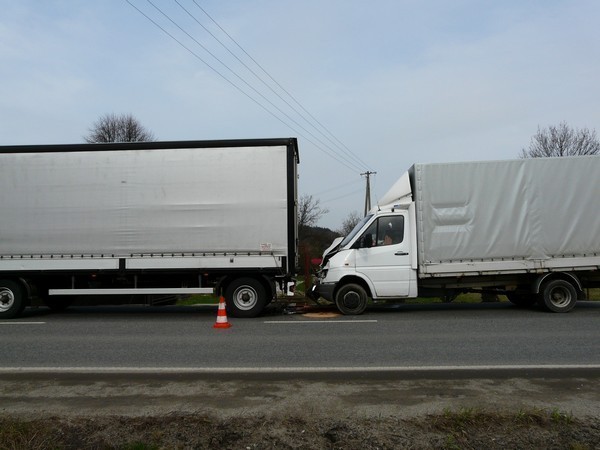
(333, 269)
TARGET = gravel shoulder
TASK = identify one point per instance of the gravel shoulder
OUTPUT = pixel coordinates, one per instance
(85, 410)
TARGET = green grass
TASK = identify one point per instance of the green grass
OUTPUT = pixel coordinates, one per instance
(453, 426)
(198, 299)
(16, 434)
(558, 417)
(593, 294)
(461, 419)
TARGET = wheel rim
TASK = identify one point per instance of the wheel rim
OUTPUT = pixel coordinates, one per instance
(245, 298)
(560, 297)
(7, 299)
(352, 300)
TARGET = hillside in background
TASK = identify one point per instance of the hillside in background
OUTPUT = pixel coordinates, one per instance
(313, 241)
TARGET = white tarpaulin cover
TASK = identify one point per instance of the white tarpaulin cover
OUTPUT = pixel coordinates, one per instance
(527, 209)
(144, 201)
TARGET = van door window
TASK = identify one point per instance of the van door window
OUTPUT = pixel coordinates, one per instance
(390, 230)
(384, 231)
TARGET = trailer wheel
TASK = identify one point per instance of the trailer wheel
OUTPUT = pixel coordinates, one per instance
(245, 297)
(12, 299)
(558, 296)
(351, 299)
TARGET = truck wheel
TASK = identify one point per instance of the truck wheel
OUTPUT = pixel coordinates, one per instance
(351, 299)
(558, 296)
(12, 299)
(245, 297)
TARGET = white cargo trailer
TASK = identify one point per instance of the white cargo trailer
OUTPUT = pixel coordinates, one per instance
(528, 229)
(148, 218)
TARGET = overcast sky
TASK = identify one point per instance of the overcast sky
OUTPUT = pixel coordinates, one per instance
(394, 82)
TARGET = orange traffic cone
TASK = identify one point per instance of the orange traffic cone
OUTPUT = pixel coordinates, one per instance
(222, 315)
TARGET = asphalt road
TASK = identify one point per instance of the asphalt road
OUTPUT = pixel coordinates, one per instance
(402, 337)
(405, 361)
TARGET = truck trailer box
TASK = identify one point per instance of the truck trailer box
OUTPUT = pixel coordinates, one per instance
(476, 217)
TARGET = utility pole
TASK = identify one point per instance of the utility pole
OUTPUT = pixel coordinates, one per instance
(368, 174)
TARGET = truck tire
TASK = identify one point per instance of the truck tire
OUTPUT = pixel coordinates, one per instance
(558, 296)
(12, 299)
(351, 299)
(245, 297)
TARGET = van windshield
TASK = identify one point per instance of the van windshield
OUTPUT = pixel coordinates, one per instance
(355, 230)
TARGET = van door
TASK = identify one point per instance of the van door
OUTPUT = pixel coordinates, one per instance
(383, 255)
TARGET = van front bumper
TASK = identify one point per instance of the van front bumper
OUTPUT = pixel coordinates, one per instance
(324, 290)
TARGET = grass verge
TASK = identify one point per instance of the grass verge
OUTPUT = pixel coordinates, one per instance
(465, 428)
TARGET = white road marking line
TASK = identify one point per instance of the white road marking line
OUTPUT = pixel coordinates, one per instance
(22, 323)
(319, 321)
(291, 370)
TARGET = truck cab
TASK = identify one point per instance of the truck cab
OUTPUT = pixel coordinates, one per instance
(377, 260)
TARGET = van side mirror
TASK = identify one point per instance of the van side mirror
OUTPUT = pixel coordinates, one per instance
(365, 241)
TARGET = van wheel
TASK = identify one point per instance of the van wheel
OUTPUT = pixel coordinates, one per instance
(245, 297)
(558, 296)
(12, 299)
(351, 299)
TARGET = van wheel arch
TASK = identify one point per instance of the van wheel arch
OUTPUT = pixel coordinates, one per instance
(568, 277)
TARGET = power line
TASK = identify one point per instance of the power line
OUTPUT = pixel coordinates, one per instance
(336, 142)
(257, 76)
(339, 144)
(243, 80)
(338, 187)
(321, 145)
(329, 152)
(329, 200)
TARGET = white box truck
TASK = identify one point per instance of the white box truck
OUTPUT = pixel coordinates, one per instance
(528, 229)
(148, 218)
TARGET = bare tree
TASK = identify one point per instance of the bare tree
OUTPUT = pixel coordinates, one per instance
(349, 223)
(118, 128)
(309, 211)
(562, 140)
